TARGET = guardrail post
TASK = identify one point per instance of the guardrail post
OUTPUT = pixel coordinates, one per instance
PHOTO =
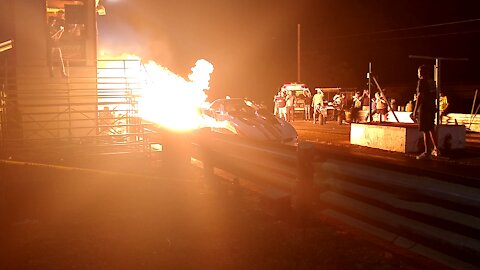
(304, 188)
(177, 153)
(207, 161)
(202, 139)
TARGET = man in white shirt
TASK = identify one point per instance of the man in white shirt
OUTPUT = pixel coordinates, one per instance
(317, 103)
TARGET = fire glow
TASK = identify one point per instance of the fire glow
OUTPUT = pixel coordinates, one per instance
(164, 97)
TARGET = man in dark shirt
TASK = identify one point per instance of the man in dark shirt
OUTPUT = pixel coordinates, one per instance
(307, 103)
(425, 108)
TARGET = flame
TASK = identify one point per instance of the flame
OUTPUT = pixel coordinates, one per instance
(164, 97)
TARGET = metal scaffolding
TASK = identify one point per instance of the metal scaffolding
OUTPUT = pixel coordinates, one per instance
(74, 115)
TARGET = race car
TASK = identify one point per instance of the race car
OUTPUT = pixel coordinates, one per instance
(248, 119)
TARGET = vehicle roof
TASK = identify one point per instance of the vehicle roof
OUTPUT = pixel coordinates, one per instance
(228, 100)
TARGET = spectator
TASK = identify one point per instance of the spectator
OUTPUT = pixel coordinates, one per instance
(365, 100)
(356, 107)
(318, 110)
(394, 105)
(380, 105)
(425, 107)
(443, 105)
(307, 104)
(277, 96)
(409, 106)
(280, 103)
(339, 105)
(291, 98)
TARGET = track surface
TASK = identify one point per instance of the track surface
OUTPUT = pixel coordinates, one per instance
(62, 219)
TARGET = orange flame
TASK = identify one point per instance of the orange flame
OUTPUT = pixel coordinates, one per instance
(166, 98)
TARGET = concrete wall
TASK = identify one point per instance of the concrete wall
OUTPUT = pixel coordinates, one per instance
(404, 138)
(30, 26)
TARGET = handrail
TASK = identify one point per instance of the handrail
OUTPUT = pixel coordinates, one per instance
(44, 108)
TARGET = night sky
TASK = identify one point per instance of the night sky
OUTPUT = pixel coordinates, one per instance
(253, 43)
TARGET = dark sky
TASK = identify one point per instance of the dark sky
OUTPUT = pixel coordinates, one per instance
(253, 43)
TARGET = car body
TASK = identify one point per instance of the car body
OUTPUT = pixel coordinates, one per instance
(250, 120)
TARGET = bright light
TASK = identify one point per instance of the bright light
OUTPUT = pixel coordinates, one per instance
(166, 98)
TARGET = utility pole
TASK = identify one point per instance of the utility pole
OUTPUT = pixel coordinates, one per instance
(298, 54)
(437, 77)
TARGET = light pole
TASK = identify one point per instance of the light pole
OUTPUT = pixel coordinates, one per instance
(298, 54)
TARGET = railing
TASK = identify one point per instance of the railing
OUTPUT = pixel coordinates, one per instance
(272, 166)
(428, 214)
(82, 114)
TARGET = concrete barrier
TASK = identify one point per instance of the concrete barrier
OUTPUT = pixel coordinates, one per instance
(404, 138)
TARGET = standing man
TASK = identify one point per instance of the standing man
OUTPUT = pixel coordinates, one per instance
(280, 104)
(317, 104)
(356, 107)
(275, 98)
(339, 104)
(425, 107)
(381, 106)
(443, 104)
(308, 103)
(290, 106)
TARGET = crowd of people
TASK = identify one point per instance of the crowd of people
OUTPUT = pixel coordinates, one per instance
(318, 108)
(284, 103)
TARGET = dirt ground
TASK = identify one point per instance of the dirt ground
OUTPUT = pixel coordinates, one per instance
(63, 218)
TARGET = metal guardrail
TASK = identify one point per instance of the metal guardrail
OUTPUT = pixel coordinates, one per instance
(428, 216)
(272, 166)
(422, 213)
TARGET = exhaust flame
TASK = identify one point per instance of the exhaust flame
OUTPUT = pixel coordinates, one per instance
(166, 98)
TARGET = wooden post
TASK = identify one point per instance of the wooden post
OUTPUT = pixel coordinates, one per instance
(177, 152)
